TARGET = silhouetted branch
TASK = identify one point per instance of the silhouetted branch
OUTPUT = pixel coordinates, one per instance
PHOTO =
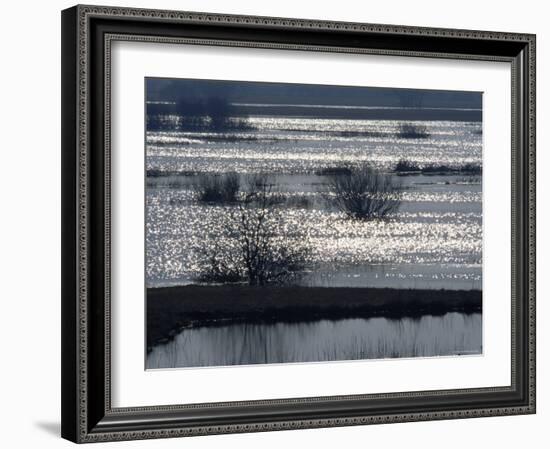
(255, 251)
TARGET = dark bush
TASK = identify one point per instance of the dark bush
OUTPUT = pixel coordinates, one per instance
(365, 193)
(404, 166)
(434, 169)
(412, 131)
(471, 169)
(154, 173)
(214, 188)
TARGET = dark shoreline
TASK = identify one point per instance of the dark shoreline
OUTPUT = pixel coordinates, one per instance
(170, 309)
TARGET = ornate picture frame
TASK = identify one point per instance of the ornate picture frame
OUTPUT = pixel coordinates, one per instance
(88, 33)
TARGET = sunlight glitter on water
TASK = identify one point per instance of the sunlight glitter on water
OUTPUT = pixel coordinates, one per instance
(434, 241)
(281, 145)
(175, 232)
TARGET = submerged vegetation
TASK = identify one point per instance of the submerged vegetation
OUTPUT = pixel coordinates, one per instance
(404, 166)
(362, 193)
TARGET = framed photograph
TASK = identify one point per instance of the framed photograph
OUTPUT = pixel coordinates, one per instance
(275, 224)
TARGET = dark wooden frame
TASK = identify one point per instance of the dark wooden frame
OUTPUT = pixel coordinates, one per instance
(87, 32)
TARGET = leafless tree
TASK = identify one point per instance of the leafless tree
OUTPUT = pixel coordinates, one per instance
(254, 249)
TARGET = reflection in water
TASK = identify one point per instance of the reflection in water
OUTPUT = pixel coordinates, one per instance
(324, 340)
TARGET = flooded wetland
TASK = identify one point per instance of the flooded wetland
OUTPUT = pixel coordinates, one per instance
(311, 195)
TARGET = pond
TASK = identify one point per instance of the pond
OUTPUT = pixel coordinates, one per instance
(452, 334)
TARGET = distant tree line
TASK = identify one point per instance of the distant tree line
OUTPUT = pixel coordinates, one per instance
(212, 113)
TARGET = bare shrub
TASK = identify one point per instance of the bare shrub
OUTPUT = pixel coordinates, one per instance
(406, 166)
(214, 188)
(365, 193)
(254, 249)
(471, 168)
(413, 131)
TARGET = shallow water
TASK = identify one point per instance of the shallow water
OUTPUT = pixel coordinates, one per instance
(434, 241)
(321, 341)
(300, 145)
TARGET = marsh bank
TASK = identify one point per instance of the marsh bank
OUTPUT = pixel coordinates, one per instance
(171, 309)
